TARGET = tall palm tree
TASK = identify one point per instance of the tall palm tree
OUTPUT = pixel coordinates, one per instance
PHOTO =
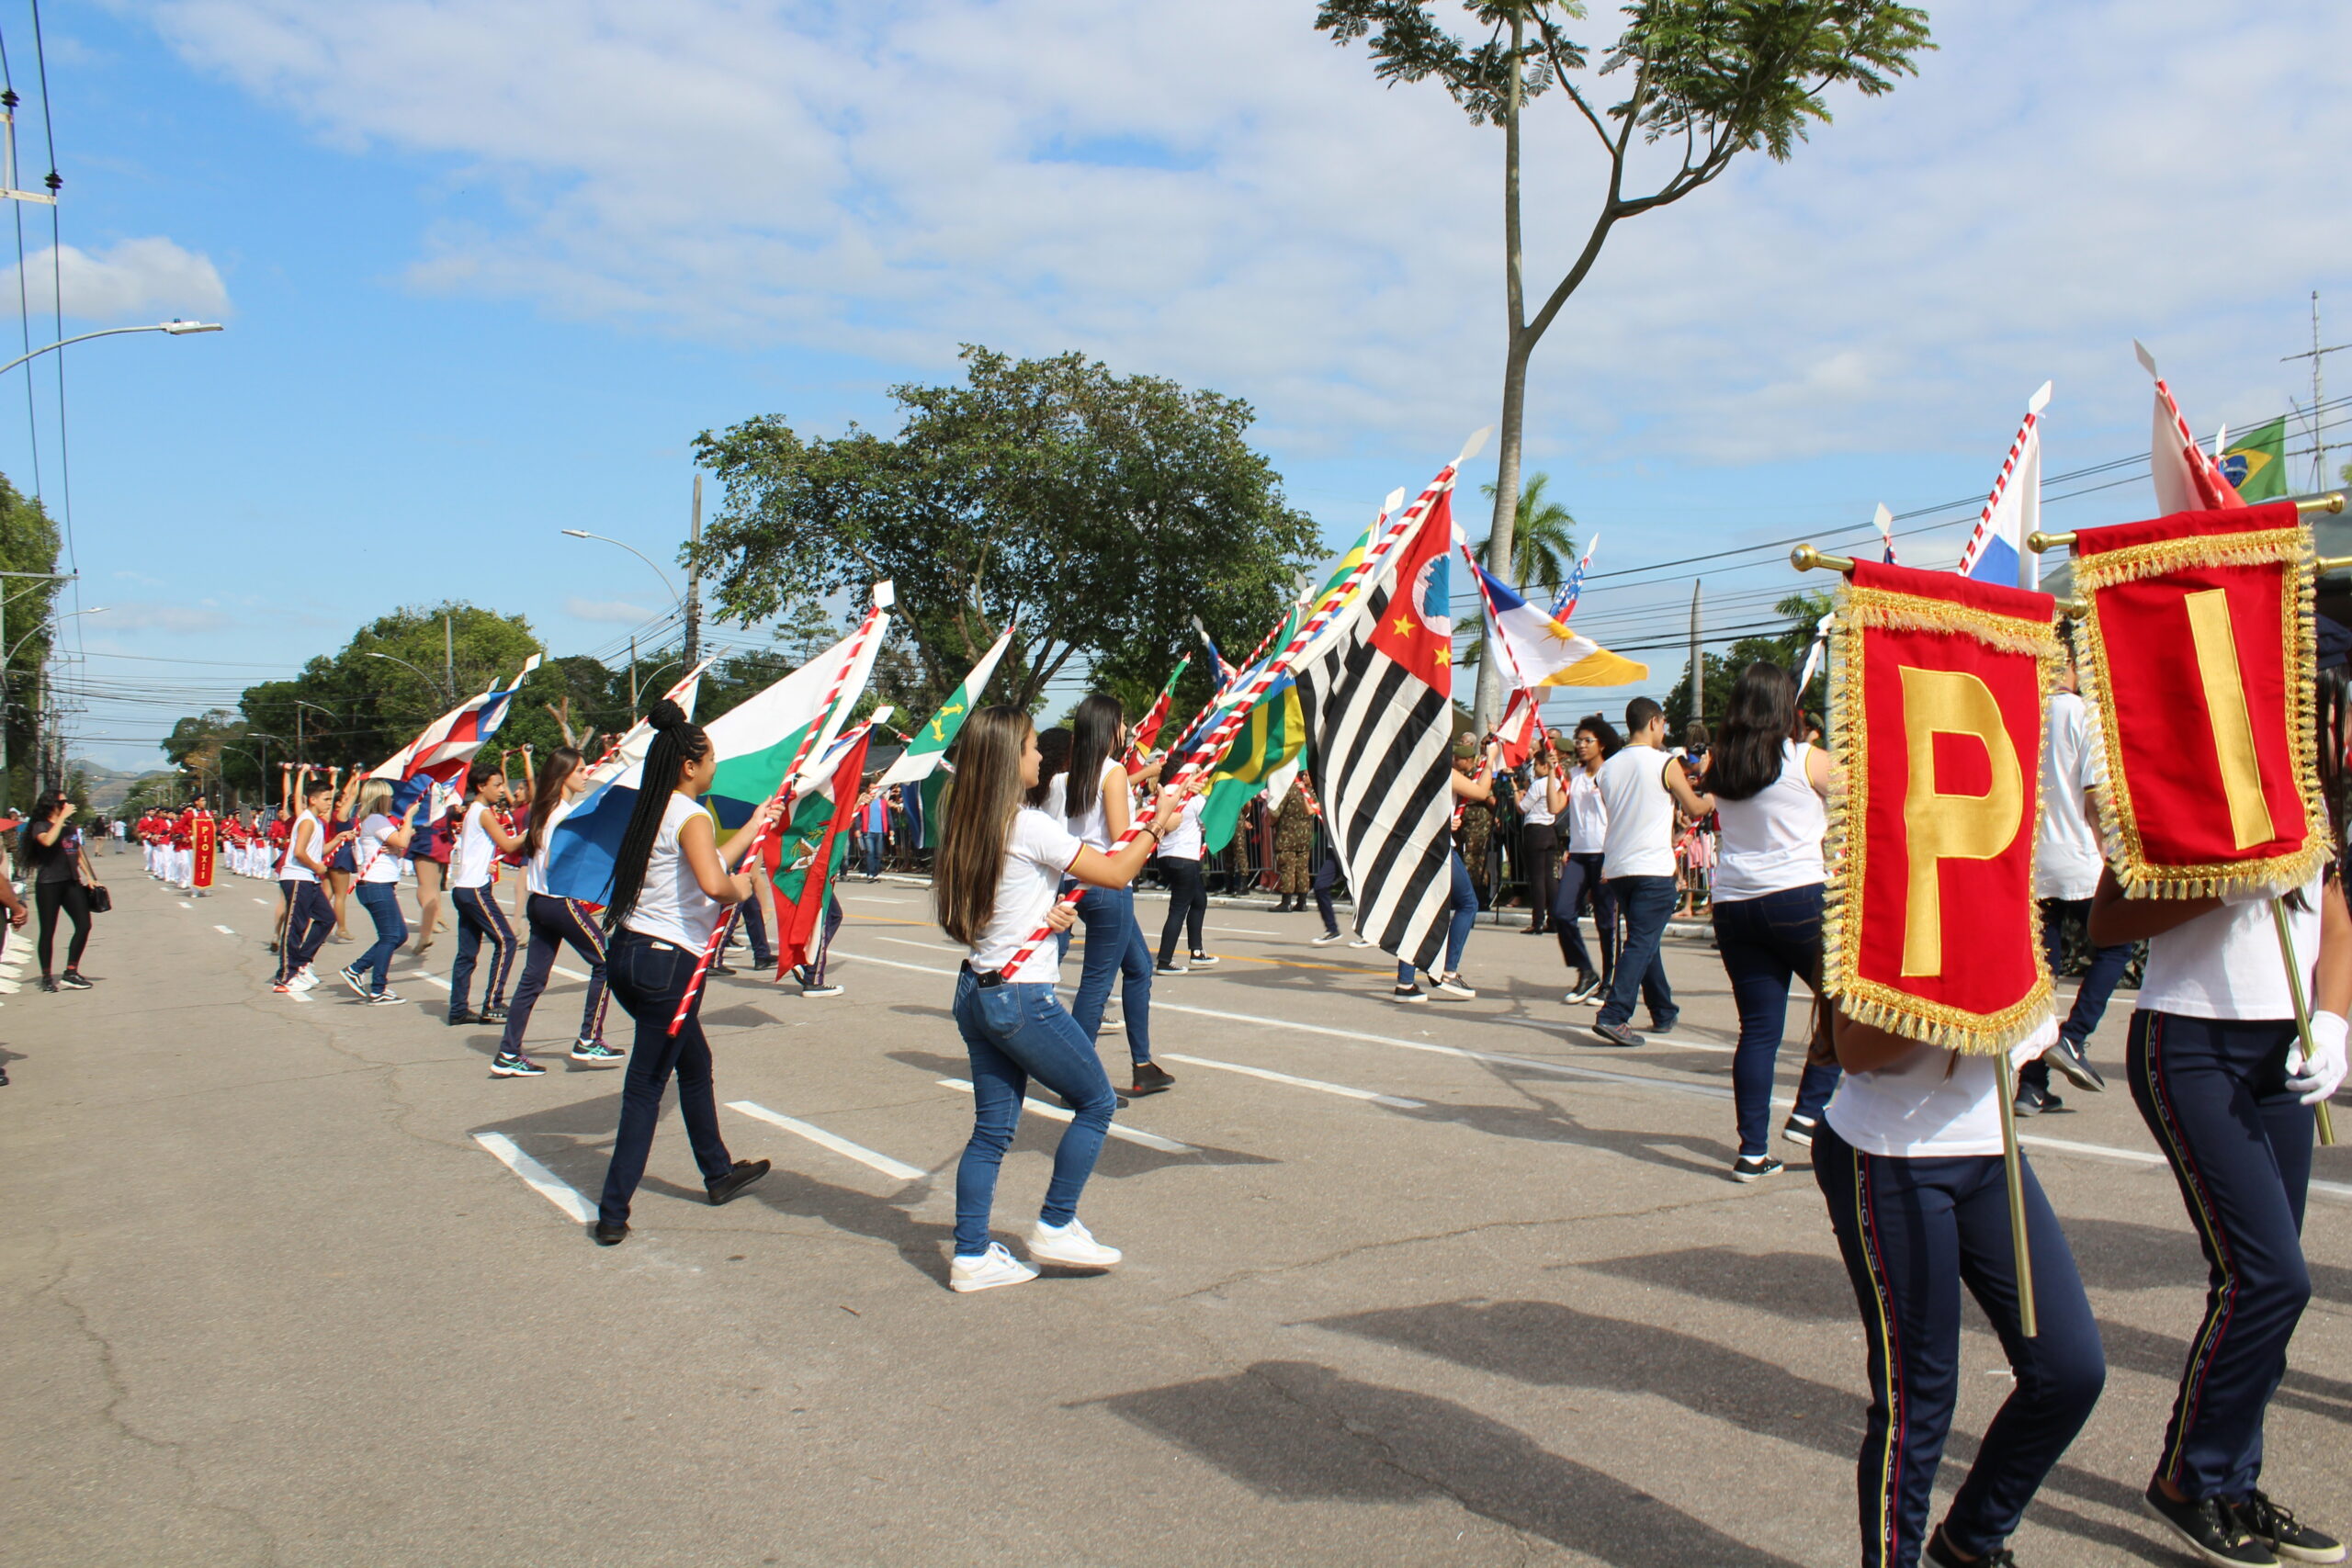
(1543, 546)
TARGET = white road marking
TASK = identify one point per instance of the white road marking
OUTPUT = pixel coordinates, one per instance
(185, 905)
(224, 930)
(870, 899)
(1243, 931)
(1056, 1113)
(569, 974)
(537, 1176)
(263, 902)
(927, 946)
(430, 979)
(2104, 1151)
(824, 1140)
(1339, 1088)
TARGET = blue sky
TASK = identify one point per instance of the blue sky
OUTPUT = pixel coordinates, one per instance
(487, 266)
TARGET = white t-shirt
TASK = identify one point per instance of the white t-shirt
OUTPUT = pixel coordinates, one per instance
(1918, 1110)
(1772, 841)
(1037, 851)
(293, 870)
(1640, 841)
(2225, 964)
(1537, 807)
(534, 875)
(2067, 850)
(470, 860)
(1093, 829)
(1183, 841)
(1588, 816)
(672, 905)
(376, 863)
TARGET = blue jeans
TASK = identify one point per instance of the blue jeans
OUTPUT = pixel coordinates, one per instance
(1015, 1033)
(1464, 902)
(1646, 902)
(874, 844)
(648, 977)
(1914, 1232)
(2108, 964)
(382, 902)
(554, 922)
(1114, 945)
(748, 913)
(1766, 942)
(1580, 883)
(2214, 1093)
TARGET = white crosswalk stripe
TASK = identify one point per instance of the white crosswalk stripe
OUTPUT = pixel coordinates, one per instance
(1056, 1113)
(833, 1141)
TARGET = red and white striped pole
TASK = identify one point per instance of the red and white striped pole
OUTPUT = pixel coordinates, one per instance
(1211, 750)
(867, 630)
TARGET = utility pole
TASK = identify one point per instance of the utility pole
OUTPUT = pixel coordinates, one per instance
(448, 655)
(633, 676)
(1698, 662)
(2316, 355)
(45, 576)
(693, 581)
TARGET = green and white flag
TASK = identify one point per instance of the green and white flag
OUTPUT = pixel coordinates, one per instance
(1267, 749)
(757, 739)
(939, 732)
(2256, 463)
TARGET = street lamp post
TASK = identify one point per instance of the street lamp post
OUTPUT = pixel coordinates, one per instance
(177, 329)
(437, 687)
(300, 755)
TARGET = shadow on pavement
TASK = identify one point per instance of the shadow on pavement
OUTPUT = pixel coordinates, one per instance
(1552, 1345)
(1293, 1430)
(2124, 1254)
(1040, 1134)
(1800, 1286)
(1540, 1122)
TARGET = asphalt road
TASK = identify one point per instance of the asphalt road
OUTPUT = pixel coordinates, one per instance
(1448, 1284)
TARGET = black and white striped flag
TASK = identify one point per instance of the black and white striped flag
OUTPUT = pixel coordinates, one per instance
(1379, 734)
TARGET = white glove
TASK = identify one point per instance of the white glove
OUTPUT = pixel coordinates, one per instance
(2323, 1074)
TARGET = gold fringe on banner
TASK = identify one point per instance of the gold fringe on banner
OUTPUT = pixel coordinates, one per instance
(2119, 818)
(1868, 1001)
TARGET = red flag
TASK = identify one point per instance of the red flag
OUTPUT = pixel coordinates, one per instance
(1416, 628)
(798, 915)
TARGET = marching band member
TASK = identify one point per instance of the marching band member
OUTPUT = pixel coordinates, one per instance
(1091, 799)
(997, 875)
(308, 915)
(671, 884)
(2223, 1082)
(381, 842)
(1908, 1156)
(481, 839)
(554, 921)
(1580, 884)
(342, 823)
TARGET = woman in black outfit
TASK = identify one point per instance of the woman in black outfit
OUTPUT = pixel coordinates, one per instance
(51, 852)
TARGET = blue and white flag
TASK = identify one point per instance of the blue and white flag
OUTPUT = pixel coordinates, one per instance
(1996, 552)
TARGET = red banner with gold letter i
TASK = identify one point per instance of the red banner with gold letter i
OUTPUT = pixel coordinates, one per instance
(1936, 698)
(2197, 653)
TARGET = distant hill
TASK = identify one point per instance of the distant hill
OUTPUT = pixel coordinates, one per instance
(109, 785)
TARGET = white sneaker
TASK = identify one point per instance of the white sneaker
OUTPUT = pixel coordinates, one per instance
(304, 979)
(1206, 961)
(1070, 1246)
(1113, 1026)
(1451, 987)
(1360, 941)
(990, 1268)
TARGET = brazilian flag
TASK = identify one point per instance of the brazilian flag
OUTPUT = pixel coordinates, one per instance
(2256, 463)
(1273, 735)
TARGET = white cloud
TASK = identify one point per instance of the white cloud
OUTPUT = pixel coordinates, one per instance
(1217, 192)
(618, 611)
(134, 278)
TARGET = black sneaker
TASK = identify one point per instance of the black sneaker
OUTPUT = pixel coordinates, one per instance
(1615, 1034)
(1941, 1553)
(746, 1171)
(491, 1015)
(1801, 1129)
(1754, 1167)
(1151, 1078)
(2277, 1528)
(1408, 994)
(2212, 1527)
(610, 1235)
(502, 1067)
(1588, 984)
(2068, 1059)
(2033, 1101)
(1171, 968)
(72, 982)
(461, 1018)
(48, 982)
(721, 969)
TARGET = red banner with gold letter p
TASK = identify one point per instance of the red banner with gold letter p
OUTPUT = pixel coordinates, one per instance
(1935, 700)
(2196, 658)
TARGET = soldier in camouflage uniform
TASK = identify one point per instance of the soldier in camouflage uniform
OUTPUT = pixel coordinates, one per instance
(1293, 843)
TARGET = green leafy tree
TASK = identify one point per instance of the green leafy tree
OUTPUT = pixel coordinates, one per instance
(28, 543)
(1096, 512)
(1708, 79)
(1542, 538)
